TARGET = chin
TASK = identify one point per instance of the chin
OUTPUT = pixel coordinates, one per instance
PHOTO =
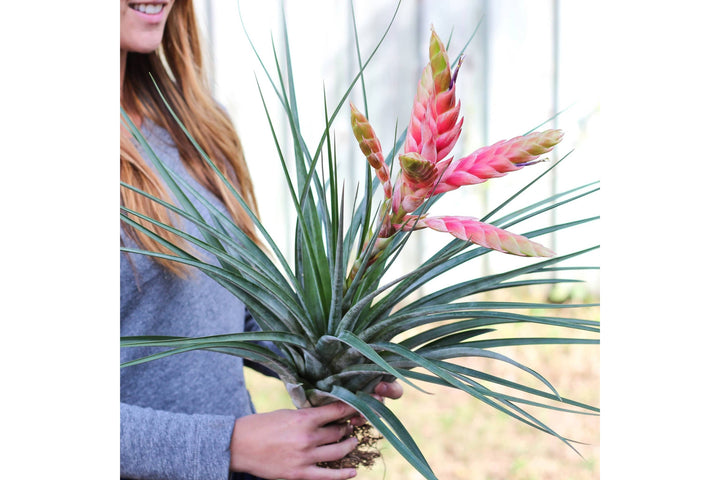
(141, 47)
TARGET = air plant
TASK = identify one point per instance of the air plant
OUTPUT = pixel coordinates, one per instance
(332, 313)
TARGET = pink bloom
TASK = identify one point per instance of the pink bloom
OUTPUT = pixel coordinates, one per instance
(496, 160)
(370, 146)
(484, 234)
(434, 127)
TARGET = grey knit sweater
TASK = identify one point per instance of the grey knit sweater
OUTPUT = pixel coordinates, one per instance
(177, 414)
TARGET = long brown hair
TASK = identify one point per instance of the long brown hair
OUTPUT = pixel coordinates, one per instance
(177, 67)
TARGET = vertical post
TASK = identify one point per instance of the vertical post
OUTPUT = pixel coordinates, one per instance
(484, 74)
(210, 44)
(554, 98)
(351, 66)
(284, 133)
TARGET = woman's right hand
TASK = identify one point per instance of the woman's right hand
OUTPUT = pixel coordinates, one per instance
(289, 443)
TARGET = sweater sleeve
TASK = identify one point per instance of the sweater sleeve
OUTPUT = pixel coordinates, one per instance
(159, 445)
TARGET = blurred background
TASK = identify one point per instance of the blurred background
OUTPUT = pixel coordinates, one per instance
(525, 61)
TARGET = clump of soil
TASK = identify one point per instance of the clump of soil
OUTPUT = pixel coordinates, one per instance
(364, 453)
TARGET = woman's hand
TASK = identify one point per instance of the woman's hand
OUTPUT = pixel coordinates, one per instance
(288, 443)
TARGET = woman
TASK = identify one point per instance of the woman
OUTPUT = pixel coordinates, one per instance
(190, 415)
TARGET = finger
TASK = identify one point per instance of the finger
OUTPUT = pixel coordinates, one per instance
(335, 451)
(331, 412)
(358, 420)
(333, 433)
(319, 473)
(389, 390)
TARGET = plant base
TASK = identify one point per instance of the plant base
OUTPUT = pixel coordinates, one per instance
(364, 453)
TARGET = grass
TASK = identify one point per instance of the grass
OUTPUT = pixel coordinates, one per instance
(463, 438)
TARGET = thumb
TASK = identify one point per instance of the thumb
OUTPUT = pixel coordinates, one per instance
(332, 412)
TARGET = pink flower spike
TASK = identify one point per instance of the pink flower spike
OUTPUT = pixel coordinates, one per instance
(370, 146)
(483, 234)
(434, 121)
(497, 160)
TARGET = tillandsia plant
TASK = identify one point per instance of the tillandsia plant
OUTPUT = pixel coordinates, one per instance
(333, 315)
